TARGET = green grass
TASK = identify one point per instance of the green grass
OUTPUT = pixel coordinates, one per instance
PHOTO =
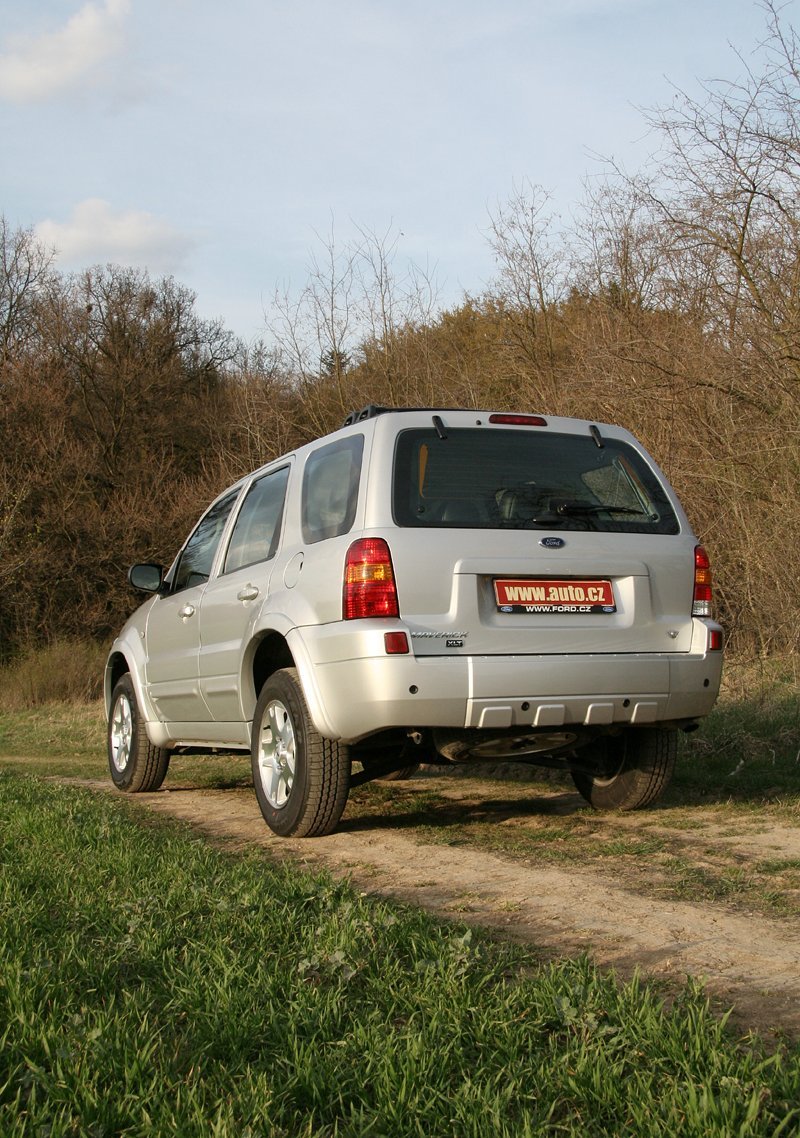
(153, 985)
(748, 750)
(71, 731)
(68, 740)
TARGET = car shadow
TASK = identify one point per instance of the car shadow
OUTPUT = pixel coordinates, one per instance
(442, 813)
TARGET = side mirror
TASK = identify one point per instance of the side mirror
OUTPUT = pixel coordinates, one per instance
(146, 578)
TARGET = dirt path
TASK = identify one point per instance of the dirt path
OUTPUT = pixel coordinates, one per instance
(745, 959)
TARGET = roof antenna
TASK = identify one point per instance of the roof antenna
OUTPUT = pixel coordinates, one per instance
(439, 425)
(598, 438)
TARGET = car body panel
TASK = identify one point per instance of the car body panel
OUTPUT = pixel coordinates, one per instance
(229, 612)
(172, 636)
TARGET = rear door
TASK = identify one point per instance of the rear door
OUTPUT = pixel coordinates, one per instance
(233, 600)
(537, 541)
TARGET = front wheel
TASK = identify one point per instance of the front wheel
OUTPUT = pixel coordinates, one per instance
(136, 765)
(633, 769)
(301, 779)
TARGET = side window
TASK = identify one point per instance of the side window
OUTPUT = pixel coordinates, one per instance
(255, 534)
(194, 565)
(330, 488)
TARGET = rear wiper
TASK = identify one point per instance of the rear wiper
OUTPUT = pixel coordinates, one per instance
(560, 512)
(568, 509)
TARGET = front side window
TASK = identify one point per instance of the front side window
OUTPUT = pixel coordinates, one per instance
(255, 534)
(197, 557)
(513, 479)
(330, 488)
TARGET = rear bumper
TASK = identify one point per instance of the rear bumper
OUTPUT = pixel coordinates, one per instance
(351, 698)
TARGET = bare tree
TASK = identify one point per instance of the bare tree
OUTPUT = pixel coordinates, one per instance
(25, 271)
(728, 188)
(533, 268)
(354, 307)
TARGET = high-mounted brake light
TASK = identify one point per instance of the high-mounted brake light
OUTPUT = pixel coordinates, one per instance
(369, 584)
(703, 592)
(519, 420)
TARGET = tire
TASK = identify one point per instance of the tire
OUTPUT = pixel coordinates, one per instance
(301, 780)
(633, 770)
(136, 765)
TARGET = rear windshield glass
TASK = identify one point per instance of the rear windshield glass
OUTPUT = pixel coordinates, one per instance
(507, 479)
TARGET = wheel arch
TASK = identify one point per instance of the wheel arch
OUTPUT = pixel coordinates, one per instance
(116, 667)
(123, 659)
(273, 649)
(267, 654)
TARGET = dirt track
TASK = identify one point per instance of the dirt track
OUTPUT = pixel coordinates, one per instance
(745, 959)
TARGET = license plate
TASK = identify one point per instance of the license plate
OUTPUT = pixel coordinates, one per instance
(551, 596)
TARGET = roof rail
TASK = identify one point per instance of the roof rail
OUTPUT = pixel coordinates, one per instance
(372, 409)
(368, 412)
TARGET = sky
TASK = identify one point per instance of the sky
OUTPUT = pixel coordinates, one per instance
(225, 144)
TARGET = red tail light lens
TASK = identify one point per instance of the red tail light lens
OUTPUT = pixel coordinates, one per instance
(369, 585)
(703, 592)
(519, 420)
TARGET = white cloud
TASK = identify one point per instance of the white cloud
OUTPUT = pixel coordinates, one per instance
(36, 68)
(95, 233)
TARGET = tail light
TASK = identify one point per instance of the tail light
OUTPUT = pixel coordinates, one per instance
(703, 592)
(369, 584)
(519, 420)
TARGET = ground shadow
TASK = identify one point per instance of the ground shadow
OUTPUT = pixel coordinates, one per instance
(404, 810)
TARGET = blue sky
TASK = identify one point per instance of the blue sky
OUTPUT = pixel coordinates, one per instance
(221, 142)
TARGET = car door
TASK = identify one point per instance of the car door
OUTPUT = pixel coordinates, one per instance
(172, 637)
(232, 600)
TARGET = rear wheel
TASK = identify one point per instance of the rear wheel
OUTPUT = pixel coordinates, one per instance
(633, 770)
(301, 779)
(136, 765)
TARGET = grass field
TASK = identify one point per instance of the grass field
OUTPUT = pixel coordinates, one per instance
(152, 985)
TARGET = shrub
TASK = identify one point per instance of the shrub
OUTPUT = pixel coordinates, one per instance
(67, 671)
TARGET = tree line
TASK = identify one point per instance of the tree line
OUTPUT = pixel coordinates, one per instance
(670, 303)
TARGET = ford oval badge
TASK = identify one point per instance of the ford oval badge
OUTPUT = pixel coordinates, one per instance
(553, 542)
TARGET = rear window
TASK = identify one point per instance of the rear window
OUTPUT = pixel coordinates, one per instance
(507, 479)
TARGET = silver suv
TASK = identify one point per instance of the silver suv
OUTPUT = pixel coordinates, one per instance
(425, 585)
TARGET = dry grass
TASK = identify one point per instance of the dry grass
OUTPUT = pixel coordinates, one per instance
(67, 671)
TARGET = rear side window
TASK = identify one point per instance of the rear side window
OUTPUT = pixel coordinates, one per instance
(255, 534)
(330, 488)
(507, 479)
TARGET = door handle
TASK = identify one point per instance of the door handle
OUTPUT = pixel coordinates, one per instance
(186, 611)
(248, 593)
